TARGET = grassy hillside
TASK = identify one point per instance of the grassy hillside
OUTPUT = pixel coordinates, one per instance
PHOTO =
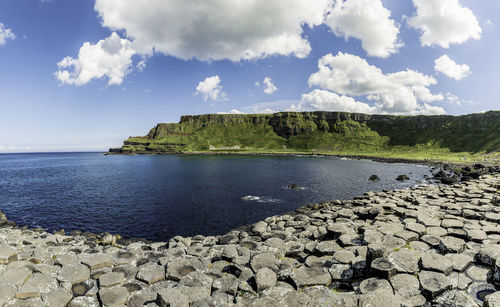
(468, 137)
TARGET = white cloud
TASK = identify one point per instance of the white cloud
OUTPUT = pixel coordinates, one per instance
(444, 22)
(215, 29)
(328, 101)
(5, 34)
(448, 67)
(369, 21)
(403, 92)
(211, 89)
(111, 58)
(269, 87)
(233, 111)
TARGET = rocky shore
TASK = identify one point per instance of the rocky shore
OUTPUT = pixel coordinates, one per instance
(431, 245)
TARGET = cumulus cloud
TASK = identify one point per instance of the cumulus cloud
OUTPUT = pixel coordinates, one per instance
(211, 89)
(233, 111)
(444, 22)
(110, 57)
(5, 34)
(215, 29)
(369, 21)
(329, 101)
(448, 67)
(403, 92)
(269, 87)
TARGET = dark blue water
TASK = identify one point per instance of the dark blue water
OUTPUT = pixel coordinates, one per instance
(158, 197)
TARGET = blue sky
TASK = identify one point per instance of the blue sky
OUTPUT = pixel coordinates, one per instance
(84, 75)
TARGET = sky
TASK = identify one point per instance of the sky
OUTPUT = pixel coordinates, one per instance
(84, 75)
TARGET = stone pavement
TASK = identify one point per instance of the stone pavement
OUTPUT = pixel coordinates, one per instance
(423, 246)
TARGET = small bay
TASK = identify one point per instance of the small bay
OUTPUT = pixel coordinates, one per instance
(158, 197)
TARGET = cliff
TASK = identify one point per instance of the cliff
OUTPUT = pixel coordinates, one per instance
(325, 132)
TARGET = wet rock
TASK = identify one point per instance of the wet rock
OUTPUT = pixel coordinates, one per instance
(402, 178)
(374, 178)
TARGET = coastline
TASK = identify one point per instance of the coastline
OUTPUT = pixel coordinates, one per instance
(439, 241)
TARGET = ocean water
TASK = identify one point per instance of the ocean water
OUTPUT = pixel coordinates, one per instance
(158, 197)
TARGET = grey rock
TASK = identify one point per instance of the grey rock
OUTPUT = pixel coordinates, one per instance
(15, 276)
(383, 267)
(405, 285)
(111, 279)
(265, 278)
(151, 273)
(7, 254)
(405, 260)
(375, 285)
(74, 273)
(327, 247)
(433, 284)
(96, 261)
(113, 296)
(180, 267)
(227, 284)
(478, 273)
(341, 272)
(344, 256)
(455, 298)
(264, 260)
(450, 244)
(84, 301)
(38, 284)
(57, 298)
(436, 262)
(171, 297)
(305, 276)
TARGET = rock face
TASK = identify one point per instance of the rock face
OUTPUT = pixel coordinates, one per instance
(319, 131)
(420, 246)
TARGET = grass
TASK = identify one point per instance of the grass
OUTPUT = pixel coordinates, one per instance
(463, 139)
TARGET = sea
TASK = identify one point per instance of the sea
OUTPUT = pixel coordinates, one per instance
(159, 197)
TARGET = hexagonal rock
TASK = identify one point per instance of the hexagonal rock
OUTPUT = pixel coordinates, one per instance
(113, 296)
(405, 260)
(151, 273)
(341, 272)
(492, 300)
(455, 298)
(84, 301)
(344, 256)
(96, 261)
(304, 276)
(227, 284)
(112, 279)
(382, 299)
(433, 284)
(405, 285)
(376, 285)
(323, 296)
(476, 235)
(327, 247)
(416, 227)
(452, 223)
(479, 290)
(265, 278)
(264, 260)
(74, 273)
(15, 276)
(180, 267)
(436, 262)
(172, 297)
(383, 267)
(460, 261)
(7, 254)
(7, 292)
(450, 244)
(57, 298)
(478, 273)
(38, 284)
(488, 254)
